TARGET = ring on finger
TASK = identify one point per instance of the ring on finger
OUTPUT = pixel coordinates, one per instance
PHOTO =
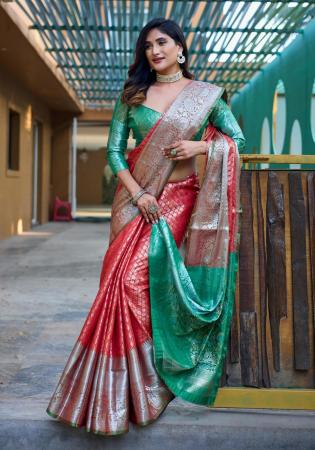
(152, 208)
(173, 152)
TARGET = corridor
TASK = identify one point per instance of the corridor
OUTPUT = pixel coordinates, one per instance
(48, 280)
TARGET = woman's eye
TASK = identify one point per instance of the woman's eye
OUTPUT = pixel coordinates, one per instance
(146, 47)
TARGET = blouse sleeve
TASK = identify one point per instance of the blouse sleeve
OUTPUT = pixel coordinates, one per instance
(222, 118)
(118, 137)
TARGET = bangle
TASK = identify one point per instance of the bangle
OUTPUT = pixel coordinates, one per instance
(205, 151)
(136, 197)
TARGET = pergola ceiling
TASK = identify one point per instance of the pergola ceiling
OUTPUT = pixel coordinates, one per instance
(92, 41)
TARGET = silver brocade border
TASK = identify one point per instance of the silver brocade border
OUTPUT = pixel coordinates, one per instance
(101, 392)
(181, 121)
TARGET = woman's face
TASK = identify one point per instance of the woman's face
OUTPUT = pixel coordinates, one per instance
(161, 51)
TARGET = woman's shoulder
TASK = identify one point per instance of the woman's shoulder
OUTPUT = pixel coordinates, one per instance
(119, 96)
(122, 104)
(120, 109)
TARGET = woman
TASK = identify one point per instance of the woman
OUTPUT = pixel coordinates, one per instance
(158, 327)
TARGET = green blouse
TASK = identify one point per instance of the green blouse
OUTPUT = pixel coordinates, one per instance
(140, 119)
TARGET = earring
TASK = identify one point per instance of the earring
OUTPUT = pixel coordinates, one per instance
(181, 58)
(151, 69)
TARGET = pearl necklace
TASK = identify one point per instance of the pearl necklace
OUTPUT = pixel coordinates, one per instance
(169, 78)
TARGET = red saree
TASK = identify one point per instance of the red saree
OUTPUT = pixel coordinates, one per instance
(110, 376)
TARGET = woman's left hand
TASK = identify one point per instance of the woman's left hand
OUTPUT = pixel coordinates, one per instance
(185, 149)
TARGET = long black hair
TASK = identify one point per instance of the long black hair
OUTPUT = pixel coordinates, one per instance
(139, 75)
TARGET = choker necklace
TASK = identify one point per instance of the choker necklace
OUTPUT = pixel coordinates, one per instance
(169, 78)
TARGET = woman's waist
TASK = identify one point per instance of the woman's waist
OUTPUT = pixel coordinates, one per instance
(182, 170)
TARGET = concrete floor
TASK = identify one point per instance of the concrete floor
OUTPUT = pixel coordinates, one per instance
(48, 280)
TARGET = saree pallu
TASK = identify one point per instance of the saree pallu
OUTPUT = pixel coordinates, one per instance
(158, 327)
(196, 298)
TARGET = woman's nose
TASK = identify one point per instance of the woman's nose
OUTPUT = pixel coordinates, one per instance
(155, 51)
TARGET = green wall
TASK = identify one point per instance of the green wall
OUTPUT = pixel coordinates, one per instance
(296, 67)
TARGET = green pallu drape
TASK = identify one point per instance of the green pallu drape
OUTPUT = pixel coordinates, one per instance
(191, 312)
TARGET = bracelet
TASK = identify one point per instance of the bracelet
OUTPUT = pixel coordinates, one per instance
(207, 147)
(136, 197)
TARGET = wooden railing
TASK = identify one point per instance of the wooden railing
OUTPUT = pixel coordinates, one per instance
(249, 161)
(272, 337)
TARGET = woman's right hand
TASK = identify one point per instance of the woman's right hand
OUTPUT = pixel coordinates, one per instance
(143, 204)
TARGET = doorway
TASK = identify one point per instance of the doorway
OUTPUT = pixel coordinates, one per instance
(37, 173)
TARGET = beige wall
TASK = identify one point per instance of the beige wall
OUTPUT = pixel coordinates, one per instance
(32, 84)
(16, 187)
